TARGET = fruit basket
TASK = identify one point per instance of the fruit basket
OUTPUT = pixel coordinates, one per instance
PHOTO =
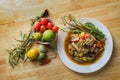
(44, 31)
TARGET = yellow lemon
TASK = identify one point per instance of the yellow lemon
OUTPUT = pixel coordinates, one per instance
(32, 53)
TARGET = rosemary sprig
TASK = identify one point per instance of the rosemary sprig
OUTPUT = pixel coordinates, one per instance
(24, 44)
(20, 49)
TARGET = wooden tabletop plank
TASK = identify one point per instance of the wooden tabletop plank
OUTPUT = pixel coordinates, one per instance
(15, 17)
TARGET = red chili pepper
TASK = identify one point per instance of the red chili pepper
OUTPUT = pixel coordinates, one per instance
(46, 61)
(83, 38)
(64, 24)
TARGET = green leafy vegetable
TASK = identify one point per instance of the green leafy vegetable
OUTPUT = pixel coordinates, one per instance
(95, 31)
(76, 26)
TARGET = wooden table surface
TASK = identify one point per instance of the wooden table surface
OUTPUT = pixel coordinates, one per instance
(14, 18)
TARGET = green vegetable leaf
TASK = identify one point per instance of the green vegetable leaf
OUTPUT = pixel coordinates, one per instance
(95, 31)
(76, 26)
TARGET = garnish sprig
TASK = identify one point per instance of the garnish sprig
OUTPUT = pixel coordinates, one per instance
(76, 26)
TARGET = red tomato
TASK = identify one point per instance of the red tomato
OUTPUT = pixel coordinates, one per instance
(55, 29)
(36, 26)
(42, 28)
(44, 21)
(87, 35)
(50, 25)
(83, 38)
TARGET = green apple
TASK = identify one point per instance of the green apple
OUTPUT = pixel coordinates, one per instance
(37, 35)
(48, 35)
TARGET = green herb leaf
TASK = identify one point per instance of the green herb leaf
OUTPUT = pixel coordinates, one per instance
(95, 31)
(76, 26)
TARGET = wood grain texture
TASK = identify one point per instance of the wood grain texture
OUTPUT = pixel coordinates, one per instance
(15, 15)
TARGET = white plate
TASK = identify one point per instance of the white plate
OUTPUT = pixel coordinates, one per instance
(87, 68)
